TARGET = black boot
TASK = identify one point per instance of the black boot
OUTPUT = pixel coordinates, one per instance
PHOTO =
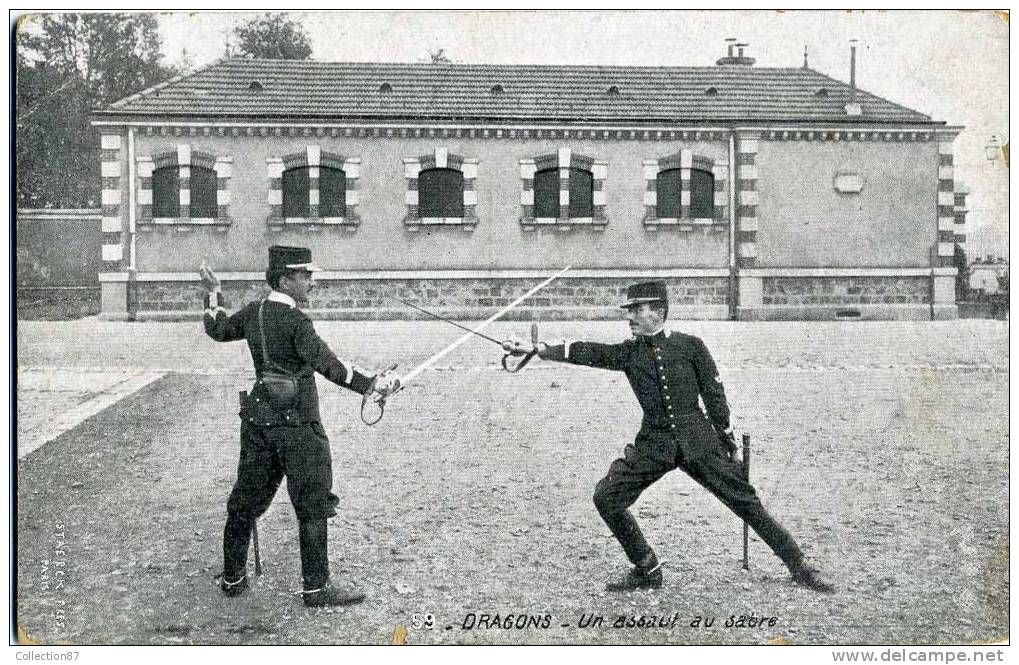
(236, 535)
(624, 527)
(318, 590)
(328, 595)
(645, 575)
(233, 587)
(809, 577)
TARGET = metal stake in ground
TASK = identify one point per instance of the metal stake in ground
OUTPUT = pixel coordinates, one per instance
(258, 556)
(746, 476)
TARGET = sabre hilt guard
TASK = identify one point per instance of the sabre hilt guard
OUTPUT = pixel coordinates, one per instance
(378, 397)
(514, 368)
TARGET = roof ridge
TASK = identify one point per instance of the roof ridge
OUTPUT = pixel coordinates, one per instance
(120, 103)
(511, 65)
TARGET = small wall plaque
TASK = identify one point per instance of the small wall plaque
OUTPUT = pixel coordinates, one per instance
(848, 183)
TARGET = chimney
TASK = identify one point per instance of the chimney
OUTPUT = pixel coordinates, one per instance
(852, 70)
(852, 107)
(739, 59)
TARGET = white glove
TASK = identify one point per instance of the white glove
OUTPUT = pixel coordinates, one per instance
(517, 348)
(386, 384)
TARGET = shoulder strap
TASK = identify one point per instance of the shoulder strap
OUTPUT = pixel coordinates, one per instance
(265, 349)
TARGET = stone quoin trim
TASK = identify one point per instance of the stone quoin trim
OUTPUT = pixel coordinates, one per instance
(746, 202)
(314, 158)
(184, 158)
(111, 225)
(961, 192)
(564, 160)
(686, 162)
(441, 158)
(945, 254)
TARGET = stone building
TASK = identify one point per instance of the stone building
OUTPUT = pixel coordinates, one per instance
(755, 193)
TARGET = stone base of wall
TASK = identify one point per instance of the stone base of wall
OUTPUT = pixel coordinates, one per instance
(849, 290)
(849, 297)
(708, 313)
(582, 298)
(588, 297)
(847, 313)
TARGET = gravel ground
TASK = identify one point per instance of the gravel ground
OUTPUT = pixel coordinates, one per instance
(882, 446)
(43, 393)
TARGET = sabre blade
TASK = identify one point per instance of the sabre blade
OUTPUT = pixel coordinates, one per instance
(444, 319)
(435, 358)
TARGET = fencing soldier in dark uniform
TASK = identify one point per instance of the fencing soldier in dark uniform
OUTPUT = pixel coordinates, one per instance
(668, 371)
(281, 429)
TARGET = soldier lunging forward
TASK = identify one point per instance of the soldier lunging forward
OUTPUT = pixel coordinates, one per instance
(668, 371)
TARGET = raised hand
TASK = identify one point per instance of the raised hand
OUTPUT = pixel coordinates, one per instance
(209, 279)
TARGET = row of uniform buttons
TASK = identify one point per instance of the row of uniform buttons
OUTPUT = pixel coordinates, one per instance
(665, 387)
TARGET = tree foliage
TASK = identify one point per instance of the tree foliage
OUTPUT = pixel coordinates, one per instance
(274, 36)
(66, 66)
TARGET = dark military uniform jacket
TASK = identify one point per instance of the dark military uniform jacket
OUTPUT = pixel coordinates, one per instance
(667, 371)
(293, 345)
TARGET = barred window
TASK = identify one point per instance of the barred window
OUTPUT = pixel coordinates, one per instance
(440, 193)
(165, 192)
(581, 193)
(702, 194)
(295, 192)
(546, 193)
(669, 197)
(332, 193)
(203, 192)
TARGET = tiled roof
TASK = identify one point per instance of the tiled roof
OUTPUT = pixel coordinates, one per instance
(351, 90)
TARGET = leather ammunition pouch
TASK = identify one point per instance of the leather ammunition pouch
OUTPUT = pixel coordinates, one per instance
(280, 388)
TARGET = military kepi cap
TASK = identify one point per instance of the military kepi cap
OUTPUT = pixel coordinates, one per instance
(645, 292)
(282, 257)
